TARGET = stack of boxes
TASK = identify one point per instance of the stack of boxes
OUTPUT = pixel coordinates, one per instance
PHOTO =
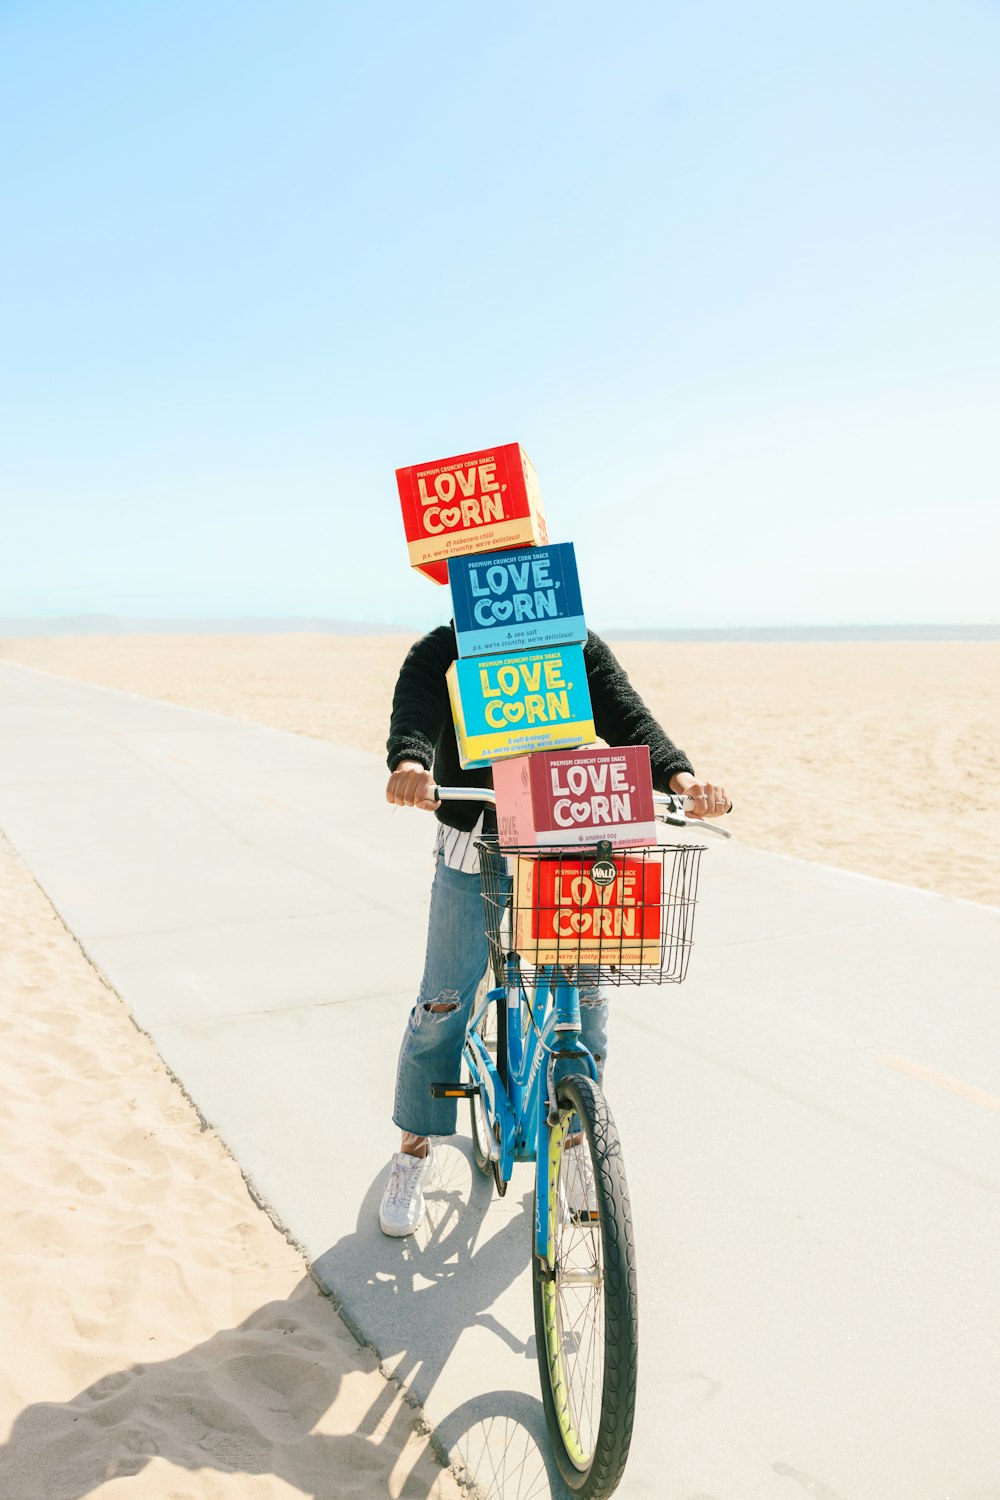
(520, 682)
(521, 703)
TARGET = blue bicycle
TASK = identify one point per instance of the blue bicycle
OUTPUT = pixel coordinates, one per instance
(556, 919)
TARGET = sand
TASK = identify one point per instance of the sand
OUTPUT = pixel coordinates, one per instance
(161, 1339)
(883, 759)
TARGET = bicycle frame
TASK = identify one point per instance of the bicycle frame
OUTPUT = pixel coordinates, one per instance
(526, 1107)
(584, 1275)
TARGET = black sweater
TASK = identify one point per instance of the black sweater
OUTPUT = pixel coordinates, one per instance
(422, 728)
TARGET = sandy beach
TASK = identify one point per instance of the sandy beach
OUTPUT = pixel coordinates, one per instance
(878, 758)
(164, 1338)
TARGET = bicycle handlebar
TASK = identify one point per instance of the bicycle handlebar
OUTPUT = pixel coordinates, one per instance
(675, 803)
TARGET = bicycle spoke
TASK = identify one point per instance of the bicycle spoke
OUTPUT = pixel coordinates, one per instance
(579, 1302)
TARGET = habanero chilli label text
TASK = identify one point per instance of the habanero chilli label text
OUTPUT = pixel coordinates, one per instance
(475, 502)
(507, 705)
(564, 915)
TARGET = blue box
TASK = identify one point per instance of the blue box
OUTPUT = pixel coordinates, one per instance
(516, 601)
(510, 705)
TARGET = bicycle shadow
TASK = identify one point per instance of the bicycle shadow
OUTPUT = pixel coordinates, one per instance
(412, 1299)
(500, 1441)
(245, 1401)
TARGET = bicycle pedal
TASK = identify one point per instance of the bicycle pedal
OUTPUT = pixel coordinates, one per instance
(454, 1090)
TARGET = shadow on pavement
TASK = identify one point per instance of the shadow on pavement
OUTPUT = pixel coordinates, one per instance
(412, 1299)
(500, 1440)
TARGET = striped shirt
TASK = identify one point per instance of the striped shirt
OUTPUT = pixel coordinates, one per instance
(459, 846)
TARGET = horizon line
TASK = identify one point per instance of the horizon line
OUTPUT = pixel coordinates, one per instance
(94, 624)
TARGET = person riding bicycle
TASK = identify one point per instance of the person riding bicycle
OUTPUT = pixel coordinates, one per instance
(422, 754)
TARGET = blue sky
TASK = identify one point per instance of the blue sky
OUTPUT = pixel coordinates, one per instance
(728, 272)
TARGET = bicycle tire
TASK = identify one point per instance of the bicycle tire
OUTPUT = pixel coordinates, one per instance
(590, 1451)
(492, 1027)
(480, 1142)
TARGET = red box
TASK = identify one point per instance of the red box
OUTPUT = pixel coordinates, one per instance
(565, 917)
(566, 797)
(476, 502)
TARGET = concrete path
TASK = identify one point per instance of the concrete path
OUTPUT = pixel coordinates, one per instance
(811, 1123)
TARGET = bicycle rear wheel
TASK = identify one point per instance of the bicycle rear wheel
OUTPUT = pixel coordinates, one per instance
(586, 1309)
(492, 1029)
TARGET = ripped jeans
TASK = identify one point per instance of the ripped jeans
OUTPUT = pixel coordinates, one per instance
(455, 963)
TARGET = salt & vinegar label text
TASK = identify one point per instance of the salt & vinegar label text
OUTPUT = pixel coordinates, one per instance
(516, 601)
(474, 502)
(507, 705)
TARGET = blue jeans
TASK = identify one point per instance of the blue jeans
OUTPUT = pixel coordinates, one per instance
(456, 961)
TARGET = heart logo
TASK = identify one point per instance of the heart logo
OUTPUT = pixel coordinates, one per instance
(450, 517)
(503, 609)
(580, 811)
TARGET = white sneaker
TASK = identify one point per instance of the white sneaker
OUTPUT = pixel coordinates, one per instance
(577, 1185)
(402, 1205)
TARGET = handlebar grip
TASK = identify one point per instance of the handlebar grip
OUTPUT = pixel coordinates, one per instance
(688, 802)
(464, 794)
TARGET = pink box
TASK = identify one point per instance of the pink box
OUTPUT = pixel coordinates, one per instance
(567, 797)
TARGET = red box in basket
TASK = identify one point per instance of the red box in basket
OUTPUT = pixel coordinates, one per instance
(576, 797)
(564, 916)
(476, 502)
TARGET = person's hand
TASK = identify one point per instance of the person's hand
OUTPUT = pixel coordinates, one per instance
(710, 799)
(411, 785)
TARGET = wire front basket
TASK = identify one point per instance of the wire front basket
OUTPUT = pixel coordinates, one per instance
(610, 916)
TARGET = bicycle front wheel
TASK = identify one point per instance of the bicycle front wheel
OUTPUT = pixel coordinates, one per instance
(586, 1310)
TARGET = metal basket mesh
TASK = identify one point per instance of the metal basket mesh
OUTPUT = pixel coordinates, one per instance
(545, 907)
